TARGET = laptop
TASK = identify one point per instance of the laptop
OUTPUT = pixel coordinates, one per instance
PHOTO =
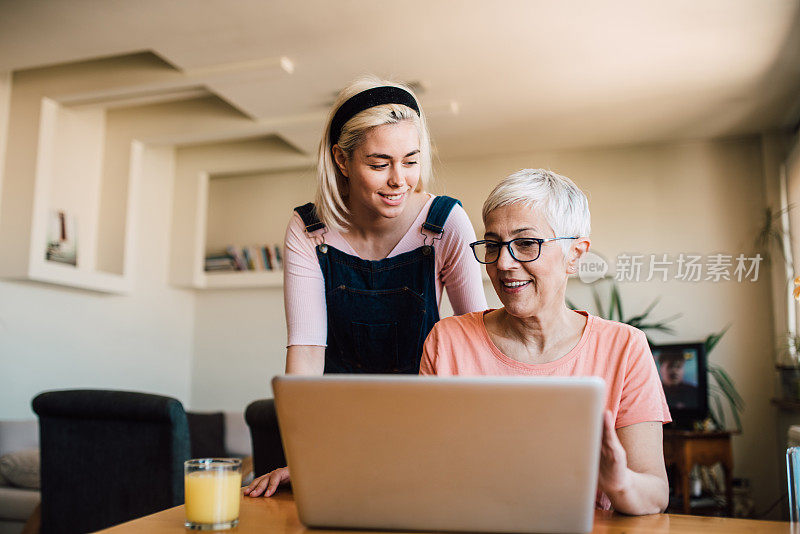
(512, 454)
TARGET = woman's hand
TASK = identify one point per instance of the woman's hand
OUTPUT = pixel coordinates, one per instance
(300, 360)
(632, 472)
(614, 473)
(267, 484)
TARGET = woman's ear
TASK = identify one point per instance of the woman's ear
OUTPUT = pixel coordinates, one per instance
(579, 247)
(340, 158)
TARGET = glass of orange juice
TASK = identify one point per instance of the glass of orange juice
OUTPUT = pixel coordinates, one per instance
(213, 491)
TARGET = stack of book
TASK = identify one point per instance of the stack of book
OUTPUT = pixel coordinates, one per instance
(246, 258)
(220, 262)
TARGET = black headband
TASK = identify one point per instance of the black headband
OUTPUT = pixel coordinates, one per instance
(369, 99)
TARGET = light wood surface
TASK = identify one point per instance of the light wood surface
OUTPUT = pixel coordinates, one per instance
(278, 515)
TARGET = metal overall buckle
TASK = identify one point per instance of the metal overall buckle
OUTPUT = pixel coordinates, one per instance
(428, 247)
(319, 240)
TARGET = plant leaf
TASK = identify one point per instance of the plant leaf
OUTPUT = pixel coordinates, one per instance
(716, 412)
(726, 384)
(771, 233)
(737, 420)
(713, 339)
(661, 326)
(723, 379)
(646, 311)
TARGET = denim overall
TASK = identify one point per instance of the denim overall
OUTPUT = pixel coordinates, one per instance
(379, 312)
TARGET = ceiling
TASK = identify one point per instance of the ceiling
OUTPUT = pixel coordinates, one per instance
(525, 75)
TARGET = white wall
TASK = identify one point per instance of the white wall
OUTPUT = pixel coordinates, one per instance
(54, 337)
(5, 102)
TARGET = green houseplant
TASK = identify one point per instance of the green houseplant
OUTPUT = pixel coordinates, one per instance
(722, 388)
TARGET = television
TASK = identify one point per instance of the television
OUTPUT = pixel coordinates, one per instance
(682, 370)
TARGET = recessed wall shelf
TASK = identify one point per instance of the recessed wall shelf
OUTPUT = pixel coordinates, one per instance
(68, 178)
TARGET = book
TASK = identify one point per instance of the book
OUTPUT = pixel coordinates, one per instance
(254, 251)
(220, 262)
(271, 260)
(267, 259)
(62, 238)
(246, 258)
(236, 253)
(248, 261)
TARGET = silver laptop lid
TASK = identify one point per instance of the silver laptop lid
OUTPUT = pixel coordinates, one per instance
(461, 454)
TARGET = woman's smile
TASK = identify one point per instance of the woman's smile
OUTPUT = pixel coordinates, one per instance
(513, 286)
(393, 199)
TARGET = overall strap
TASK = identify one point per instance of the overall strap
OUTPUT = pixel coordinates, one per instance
(308, 213)
(437, 215)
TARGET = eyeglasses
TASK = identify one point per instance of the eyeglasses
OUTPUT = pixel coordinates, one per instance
(522, 249)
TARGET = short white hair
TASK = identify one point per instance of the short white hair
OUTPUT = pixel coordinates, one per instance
(563, 204)
(329, 200)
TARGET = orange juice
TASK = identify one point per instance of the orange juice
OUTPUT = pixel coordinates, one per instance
(212, 496)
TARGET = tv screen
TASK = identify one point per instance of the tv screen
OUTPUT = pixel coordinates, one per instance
(682, 369)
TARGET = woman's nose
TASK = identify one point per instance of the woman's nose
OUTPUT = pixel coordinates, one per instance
(505, 260)
(396, 178)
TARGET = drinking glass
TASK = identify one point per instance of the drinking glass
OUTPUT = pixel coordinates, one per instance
(213, 491)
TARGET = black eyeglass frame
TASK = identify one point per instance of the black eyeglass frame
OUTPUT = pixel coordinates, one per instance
(507, 244)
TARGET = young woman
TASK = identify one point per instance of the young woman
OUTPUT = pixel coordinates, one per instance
(367, 262)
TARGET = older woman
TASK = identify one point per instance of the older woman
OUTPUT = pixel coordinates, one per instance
(537, 227)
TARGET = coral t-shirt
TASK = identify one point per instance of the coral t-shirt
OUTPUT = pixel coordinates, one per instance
(616, 352)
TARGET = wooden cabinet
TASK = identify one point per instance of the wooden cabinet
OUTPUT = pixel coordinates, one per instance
(685, 449)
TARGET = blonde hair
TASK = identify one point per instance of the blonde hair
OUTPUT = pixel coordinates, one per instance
(329, 200)
(564, 206)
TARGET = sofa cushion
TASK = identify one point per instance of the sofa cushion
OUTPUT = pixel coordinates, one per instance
(18, 435)
(18, 504)
(21, 468)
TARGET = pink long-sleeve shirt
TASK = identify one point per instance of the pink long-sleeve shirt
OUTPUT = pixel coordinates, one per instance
(304, 285)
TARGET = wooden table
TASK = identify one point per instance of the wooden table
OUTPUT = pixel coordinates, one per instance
(278, 515)
(684, 449)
